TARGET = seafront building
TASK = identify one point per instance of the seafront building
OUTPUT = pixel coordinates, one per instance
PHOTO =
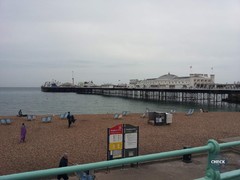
(171, 81)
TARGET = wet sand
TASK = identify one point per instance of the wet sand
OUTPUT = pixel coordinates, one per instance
(86, 140)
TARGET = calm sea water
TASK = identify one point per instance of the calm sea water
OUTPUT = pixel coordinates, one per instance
(33, 101)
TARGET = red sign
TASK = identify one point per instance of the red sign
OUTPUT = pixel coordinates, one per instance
(118, 129)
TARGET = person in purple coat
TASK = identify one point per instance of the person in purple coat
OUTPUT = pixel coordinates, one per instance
(23, 133)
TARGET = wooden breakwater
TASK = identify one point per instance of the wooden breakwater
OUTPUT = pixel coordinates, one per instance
(181, 95)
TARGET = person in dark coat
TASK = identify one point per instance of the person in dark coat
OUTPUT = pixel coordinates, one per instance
(63, 163)
(72, 119)
(69, 120)
(20, 114)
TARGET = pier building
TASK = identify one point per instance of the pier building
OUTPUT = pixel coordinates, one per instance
(171, 81)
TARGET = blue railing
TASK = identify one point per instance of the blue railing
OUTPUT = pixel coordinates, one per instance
(213, 148)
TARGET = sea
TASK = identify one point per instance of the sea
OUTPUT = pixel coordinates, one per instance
(33, 101)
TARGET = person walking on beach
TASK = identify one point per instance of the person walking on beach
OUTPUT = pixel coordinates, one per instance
(63, 163)
(23, 133)
(69, 120)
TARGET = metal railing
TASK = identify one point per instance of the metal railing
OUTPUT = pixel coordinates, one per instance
(213, 148)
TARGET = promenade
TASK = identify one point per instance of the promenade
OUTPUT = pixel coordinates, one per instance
(169, 169)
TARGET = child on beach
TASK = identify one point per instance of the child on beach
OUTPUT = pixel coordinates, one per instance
(23, 133)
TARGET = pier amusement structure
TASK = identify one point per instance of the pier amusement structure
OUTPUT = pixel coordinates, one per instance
(194, 88)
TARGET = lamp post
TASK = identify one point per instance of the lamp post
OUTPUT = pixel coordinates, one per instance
(72, 78)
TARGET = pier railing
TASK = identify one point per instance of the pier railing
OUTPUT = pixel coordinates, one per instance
(212, 147)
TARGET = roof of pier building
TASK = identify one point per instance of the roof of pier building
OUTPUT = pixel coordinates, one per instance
(172, 77)
(168, 76)
(165, 77)
(151, 79)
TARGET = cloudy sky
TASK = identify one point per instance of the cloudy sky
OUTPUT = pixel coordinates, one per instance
(107, 41)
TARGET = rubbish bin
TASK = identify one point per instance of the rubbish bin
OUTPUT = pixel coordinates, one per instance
(187, 158)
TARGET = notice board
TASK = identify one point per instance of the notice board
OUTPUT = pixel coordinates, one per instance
(115, 142)
(123, 141)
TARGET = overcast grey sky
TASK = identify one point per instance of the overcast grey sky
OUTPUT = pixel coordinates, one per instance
(107, 41)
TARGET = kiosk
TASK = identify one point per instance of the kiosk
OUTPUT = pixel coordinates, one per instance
(159, 118)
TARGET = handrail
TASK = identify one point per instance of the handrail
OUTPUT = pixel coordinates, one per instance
(212, 147)
(233, 175)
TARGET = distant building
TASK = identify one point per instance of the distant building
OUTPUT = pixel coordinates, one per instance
(67, 84)
(52, 83)
(121, 85)
(86, 84)
(107, 85)
(133, 83)
(175, 82)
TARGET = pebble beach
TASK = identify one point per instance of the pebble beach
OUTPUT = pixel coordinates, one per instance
(86, 140)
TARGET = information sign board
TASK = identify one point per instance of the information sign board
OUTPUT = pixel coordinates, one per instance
(131, 140)
(115, 142)
(123, 141)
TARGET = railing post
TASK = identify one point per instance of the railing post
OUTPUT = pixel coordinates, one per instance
(212, 172)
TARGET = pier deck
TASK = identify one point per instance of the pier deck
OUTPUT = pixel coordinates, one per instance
(180, 95)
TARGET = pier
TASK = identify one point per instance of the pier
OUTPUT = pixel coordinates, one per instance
(177, 95)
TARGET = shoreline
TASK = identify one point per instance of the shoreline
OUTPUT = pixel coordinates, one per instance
(86, 140)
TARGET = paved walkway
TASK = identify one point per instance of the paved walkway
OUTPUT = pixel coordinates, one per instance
(168, 170)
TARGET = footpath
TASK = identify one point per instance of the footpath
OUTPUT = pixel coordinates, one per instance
(168, 169)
